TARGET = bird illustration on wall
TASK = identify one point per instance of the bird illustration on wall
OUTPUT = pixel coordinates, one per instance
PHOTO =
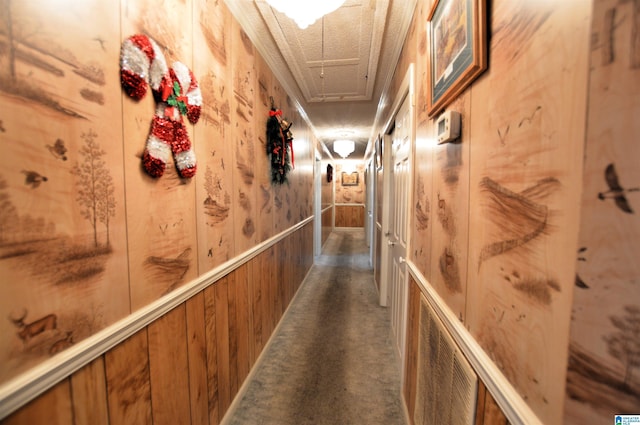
(58, 149)
(616, 191)
(33, 178)
(579, 282)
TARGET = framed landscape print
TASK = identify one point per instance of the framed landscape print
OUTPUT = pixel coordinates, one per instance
(457, 45)
(350, 179)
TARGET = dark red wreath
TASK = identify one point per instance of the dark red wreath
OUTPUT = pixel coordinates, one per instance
(279, 145)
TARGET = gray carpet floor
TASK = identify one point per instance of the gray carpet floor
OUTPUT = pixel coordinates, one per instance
(331, 359)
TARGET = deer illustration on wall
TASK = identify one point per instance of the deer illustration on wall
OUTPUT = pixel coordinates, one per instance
(29, 330)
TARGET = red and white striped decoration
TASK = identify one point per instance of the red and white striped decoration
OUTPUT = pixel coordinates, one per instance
(177, 93)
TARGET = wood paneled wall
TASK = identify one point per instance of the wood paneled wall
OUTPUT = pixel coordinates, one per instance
(349, 215)
(494, 215)
(349, 194)
(187, 366)
(327, 224)
(602, 377)
(88, 237)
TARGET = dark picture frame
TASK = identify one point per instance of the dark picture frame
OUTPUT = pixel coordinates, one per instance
(457, 42)
(329, 173)
(350, 179)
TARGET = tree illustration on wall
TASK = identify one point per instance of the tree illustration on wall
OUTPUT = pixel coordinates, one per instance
(8, 213)
(20, 228)
(212, 187)
(26, 41)
(217, 203)
(95, 186)
(106, 201)
(624, 345)
(11, 51)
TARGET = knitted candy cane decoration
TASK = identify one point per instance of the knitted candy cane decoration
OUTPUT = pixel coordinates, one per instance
(176, 92)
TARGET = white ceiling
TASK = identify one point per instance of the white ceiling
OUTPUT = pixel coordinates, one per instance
(336, 79)
(348, 61)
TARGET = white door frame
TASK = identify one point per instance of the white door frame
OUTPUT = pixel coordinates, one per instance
(370, 223)
(406, 91)
(387, 210)
(317, 206)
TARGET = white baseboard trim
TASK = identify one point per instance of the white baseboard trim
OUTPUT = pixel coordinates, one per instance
(510, 402)
(27, 386)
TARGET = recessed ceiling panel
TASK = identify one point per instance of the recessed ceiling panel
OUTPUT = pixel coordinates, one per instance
(344, 78)
(336, 58)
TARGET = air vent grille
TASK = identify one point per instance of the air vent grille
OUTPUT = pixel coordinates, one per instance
(447, 386)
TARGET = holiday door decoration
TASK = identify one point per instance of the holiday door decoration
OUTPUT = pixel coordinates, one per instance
(176, 91)
(279, 145)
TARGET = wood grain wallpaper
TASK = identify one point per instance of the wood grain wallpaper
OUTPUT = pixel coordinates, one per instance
(87, 236)
(352, 191)
(602, 377)
(63, 245)
(495, 213)
(214, 195)
(349, 190)
(422, 219)
(525, 181)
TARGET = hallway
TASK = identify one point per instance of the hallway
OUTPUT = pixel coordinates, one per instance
(331, 360)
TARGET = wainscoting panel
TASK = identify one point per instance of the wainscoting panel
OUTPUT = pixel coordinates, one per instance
(488, 412)
(128, 381)
(349, 215)
(188, 365)
(52, 408)
(169, 385)
(256, 299)
(197, 351)
(89, 390)
(411, 346)
(327, 224)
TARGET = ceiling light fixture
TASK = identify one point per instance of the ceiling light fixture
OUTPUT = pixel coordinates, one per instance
(344, 148)
(305, 13)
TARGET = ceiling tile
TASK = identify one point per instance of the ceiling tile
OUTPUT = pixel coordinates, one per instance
(344, 46)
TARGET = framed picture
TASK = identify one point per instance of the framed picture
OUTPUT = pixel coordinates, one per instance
(457, 42)
(350, 179)
(329, 173)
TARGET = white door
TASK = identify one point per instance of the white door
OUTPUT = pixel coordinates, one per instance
(400, 181)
